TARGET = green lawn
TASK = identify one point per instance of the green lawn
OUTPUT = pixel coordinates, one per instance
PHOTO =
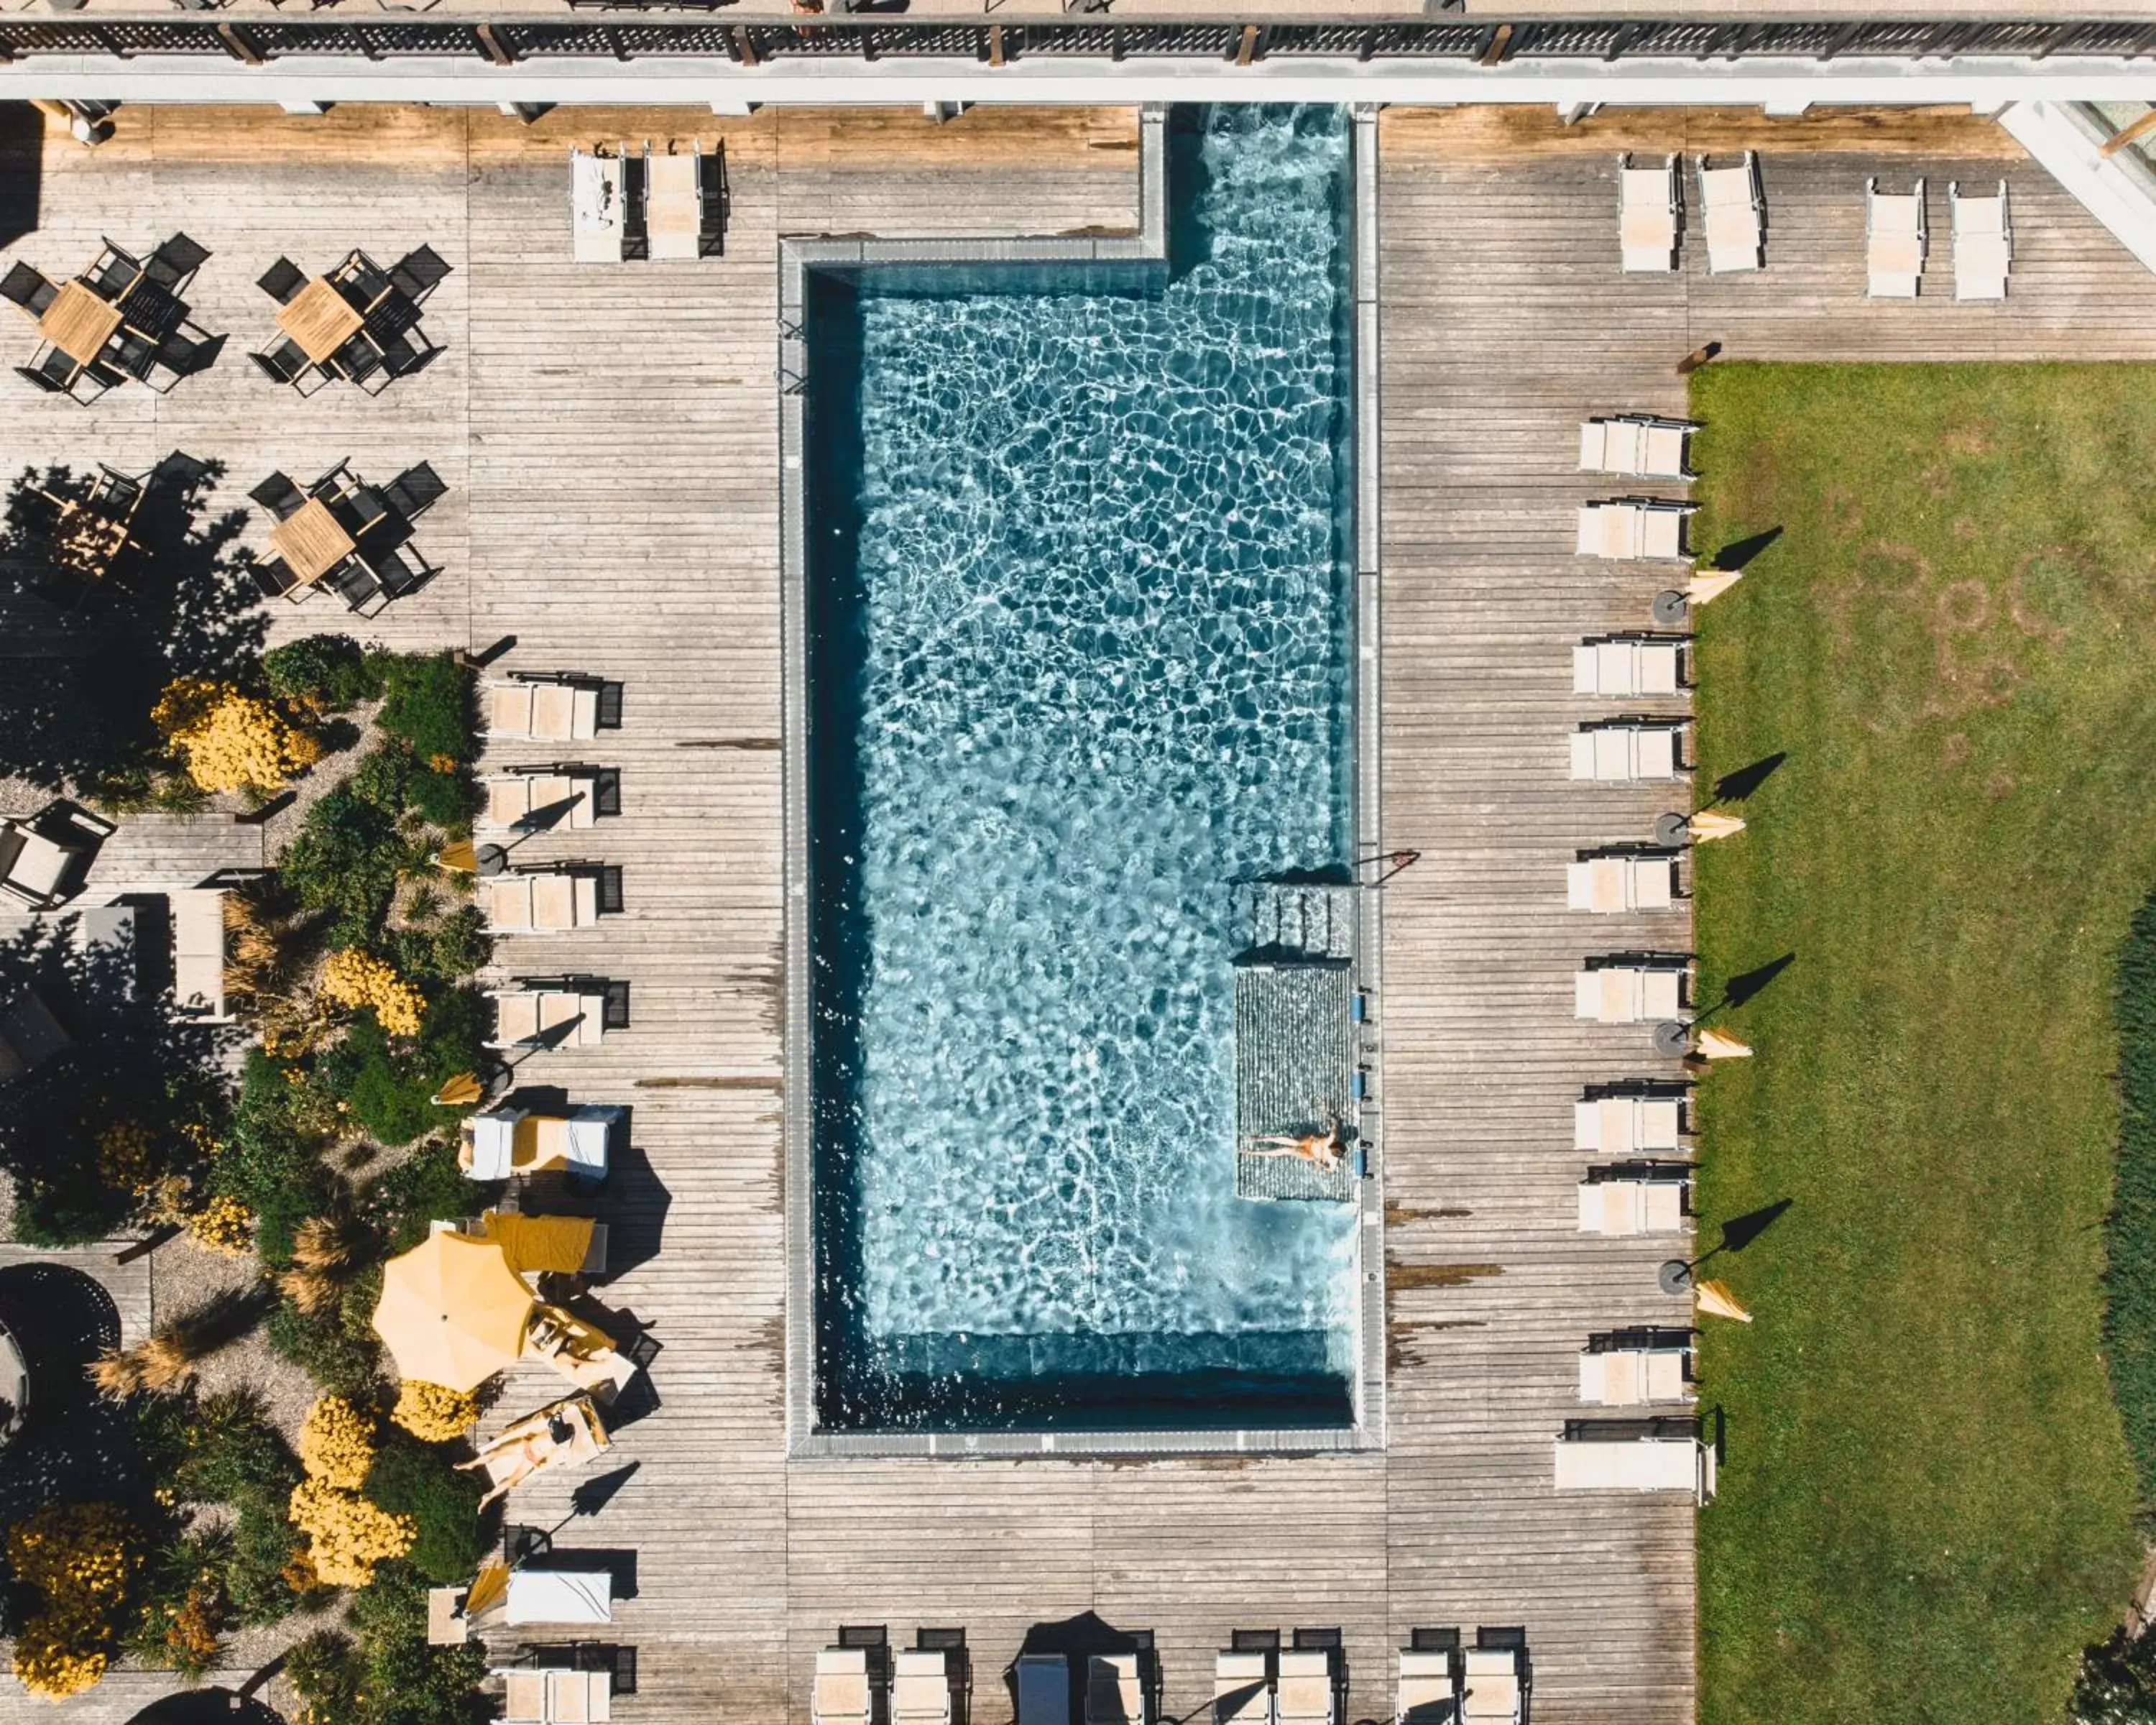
(1927, 1506)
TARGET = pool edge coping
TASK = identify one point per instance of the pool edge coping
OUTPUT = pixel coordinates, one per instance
(797, 257)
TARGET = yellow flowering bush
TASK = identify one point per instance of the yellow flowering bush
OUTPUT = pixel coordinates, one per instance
(337, 1444)
(433, 1413)
(123, 1157)
(81, 1556)
(351, 977)
(348, 1535)
(224, 1225)
(232, 742)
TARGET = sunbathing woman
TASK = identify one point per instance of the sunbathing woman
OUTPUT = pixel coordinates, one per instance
(1322, 1148)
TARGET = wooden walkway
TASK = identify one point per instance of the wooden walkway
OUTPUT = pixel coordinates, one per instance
(610, 436)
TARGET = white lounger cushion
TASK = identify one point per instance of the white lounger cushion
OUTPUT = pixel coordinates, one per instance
(1639, 448)
(516, 795)
(1734, 234)
(530, 904)
(1114, 1696)
(1893, 241)
(1493, 1685)
(198, 950)
(1622, 1208)
(1627, 994)
(841, 1695)
(1616, 754)
(920, 1686)
(1241, 1693)
(1682, 1463)
(1628, 1377)
(1624, 530)
(1982, 244)
(1610, 884)
(542, 712)
(1625, 1126)
(1304, 1693)
(1425, 1689)
(525, 1016)
(1625, 668)
(1647, 217)
(672, 207)
(595, 204)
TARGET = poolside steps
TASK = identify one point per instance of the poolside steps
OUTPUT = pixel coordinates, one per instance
(1296, 1022)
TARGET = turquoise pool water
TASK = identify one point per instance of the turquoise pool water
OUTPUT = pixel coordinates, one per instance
(1079, 661)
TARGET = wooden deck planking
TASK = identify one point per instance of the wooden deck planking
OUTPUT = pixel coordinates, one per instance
(609, 435)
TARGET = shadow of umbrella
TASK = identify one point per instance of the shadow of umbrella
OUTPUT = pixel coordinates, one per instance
(593, 1495)
(1740, 1231)
(1736, 786)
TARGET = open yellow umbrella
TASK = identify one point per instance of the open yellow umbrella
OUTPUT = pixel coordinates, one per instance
(1707, 826)
(1719, 1045)
(1715, 1300)
(1711, 585)
(452, 1311)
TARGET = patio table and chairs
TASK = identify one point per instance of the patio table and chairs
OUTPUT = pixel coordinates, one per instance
(1983, 234)
(123, 317)
(1735, 215)
(88, 533)
(1628, 665)
(342, 534)
(1637, 445)
(1628, 751)
(1894, 241)
(563, 1434)
(1633, 528)
(1647, 216)
(357, 322)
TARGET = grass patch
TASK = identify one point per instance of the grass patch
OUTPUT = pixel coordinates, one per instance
(1928, 1508)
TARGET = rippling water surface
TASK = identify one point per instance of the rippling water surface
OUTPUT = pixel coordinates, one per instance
(1081, 659)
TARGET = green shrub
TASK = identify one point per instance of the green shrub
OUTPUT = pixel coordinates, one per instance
(448, 800)
(417, 1480)
(428, 1186)
(269, 1164)
(388, 1091)
(428, 703)
(325, 1348)
(181, 1605)
(382, 777)
(407, 1682)
(453, 948)
(346, 858)
(330, 670)
(217, 1449)
(325, 1671)
(263, 1543)
(2130, 1275)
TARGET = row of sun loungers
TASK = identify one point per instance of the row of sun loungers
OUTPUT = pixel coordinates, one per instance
(647, 204)
(1734, 216)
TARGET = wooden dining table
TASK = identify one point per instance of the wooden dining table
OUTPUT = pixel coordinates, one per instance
(78, 322)
(311, 539)
(320, 319)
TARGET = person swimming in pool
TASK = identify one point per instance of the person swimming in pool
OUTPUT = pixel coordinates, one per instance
(1322, 1148)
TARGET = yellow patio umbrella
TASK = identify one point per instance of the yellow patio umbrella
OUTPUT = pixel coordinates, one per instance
(1711, 585)
(459, 857)
(452, 1311)
(460, 1091)
(1715, 1300)
(1707, 826)
(1720, 1045)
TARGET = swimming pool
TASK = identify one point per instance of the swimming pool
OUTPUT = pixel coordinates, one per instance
(1080, 657)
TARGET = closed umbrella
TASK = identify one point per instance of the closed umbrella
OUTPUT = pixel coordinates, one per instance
(1707, 826)
(1715, 1300)
(452, 1311)
(1719, 1045)
(1711, 585)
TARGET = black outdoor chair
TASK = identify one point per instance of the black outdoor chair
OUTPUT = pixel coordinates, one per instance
(357, 360)
(401, 356)
(414, 491)
(282, 280)
(360, 587)
(287, 361)
(25, 285)
(41, 380)
(275, 577)
(179, 355)
(400, 574)
(131, 353)
(278, 496)
(418, 272)
(362, 510)
(173, 265)
(362, 284)
(113, 273)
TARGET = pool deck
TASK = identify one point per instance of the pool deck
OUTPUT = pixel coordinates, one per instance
(611, 440)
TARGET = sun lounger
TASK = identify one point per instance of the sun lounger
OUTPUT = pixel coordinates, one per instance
(1628, 1455)
(1894, 241)
(1623, 1204)
(595, 206)
(1647, 216)
(43, 859)
(580, 1596)
(510, 1142)
(1624, 751)
(533, 1444)
(584, 1354)
(1735, 215)
(1627, 1126)
(1116, 1690)
(556, 1697)
(542, 1245)
(540, 902)
(546, 1017)
(921, 1689)
(1303, 1693)
(673, 205)
(542, 709)
(1628, 1377)
(1043, 1689)
(1625, 664)
(846, 1686)
(198, 953)
(568, 800)
(1242, 1689)
(1631, 528)
(1628, 993)
(1491, 1686)
(1637, 445)
(1631, 880)
(1983, 242)
(1429, 1692)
